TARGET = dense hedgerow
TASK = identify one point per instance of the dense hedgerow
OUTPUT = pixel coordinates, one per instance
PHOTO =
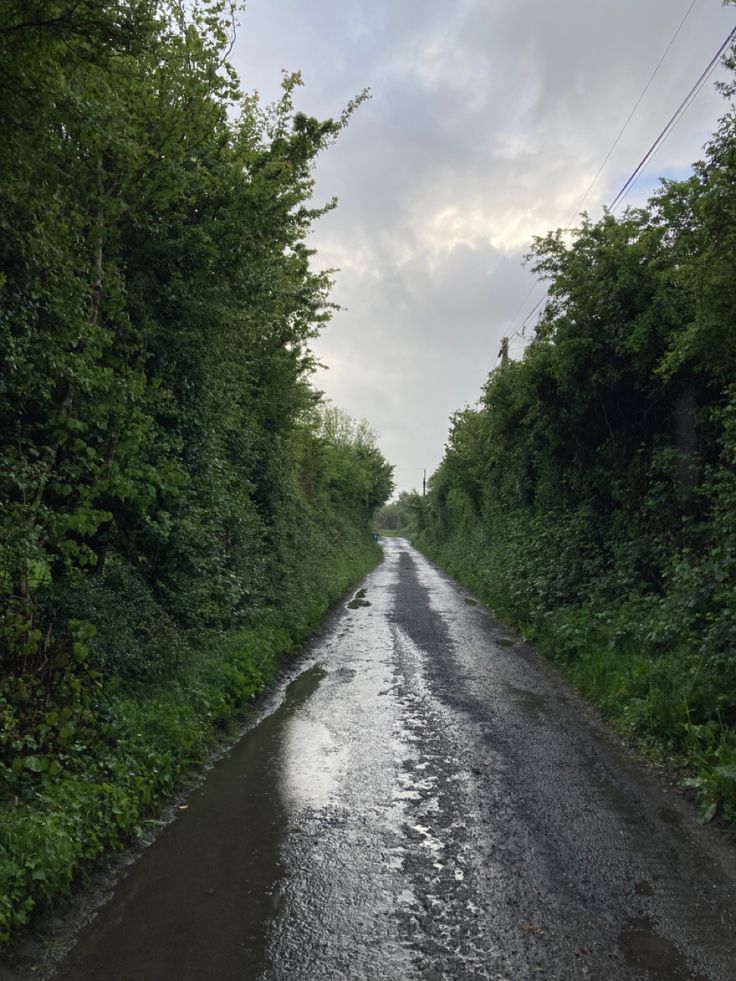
(176, 504)
(590, 497)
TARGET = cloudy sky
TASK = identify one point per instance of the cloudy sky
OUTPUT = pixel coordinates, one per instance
(487, 123)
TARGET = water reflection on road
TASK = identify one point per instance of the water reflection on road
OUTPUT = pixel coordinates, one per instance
(426, 800)
(311, 762)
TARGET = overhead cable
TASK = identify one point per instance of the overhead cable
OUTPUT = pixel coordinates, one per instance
(519, 331)
(651, 152)
(673, 121)
(623, 129)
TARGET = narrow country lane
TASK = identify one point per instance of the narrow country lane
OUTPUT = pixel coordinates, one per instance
(425, 800)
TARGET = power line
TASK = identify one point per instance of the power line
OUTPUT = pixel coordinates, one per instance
(674, 120)
(651, 152)
(520, 329)
(631, 115)
(521, 307)
(525, 321)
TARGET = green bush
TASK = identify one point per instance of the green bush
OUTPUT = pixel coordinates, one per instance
(140, 747)
(590, 498)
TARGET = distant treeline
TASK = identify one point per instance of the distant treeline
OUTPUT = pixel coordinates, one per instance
(176, 504)
(590, 496)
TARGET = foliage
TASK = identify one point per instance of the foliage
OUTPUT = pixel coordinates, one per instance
(166, 472)
(144, 743)
(402, 516)
(591, 495)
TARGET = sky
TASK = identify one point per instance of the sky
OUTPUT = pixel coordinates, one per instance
(487, 122)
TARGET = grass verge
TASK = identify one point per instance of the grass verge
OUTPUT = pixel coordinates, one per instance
(662, 701)
(147, 743)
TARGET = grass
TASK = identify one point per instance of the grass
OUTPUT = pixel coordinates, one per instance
(669, 700)
(146, 745)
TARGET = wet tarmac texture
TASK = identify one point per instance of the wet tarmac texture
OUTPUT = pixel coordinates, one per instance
(426, 800)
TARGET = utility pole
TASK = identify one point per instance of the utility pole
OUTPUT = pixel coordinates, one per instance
(504, 352)
(424, 484)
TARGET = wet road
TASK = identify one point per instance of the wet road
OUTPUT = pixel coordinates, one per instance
(426, 800)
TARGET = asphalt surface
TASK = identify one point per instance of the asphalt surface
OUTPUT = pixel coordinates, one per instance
(426, 800)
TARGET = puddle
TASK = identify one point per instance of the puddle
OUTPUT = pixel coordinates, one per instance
(528, 700)
(505, 642)
(643, 888)
(670, 816)
(311, 764)
(358, 600)
(471, 602)
(645, 950)
(199, 901)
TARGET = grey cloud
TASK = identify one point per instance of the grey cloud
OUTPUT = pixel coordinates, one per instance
(487, 123)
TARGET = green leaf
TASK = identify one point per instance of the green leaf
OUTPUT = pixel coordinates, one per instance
(707, 812)
(36, 764)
